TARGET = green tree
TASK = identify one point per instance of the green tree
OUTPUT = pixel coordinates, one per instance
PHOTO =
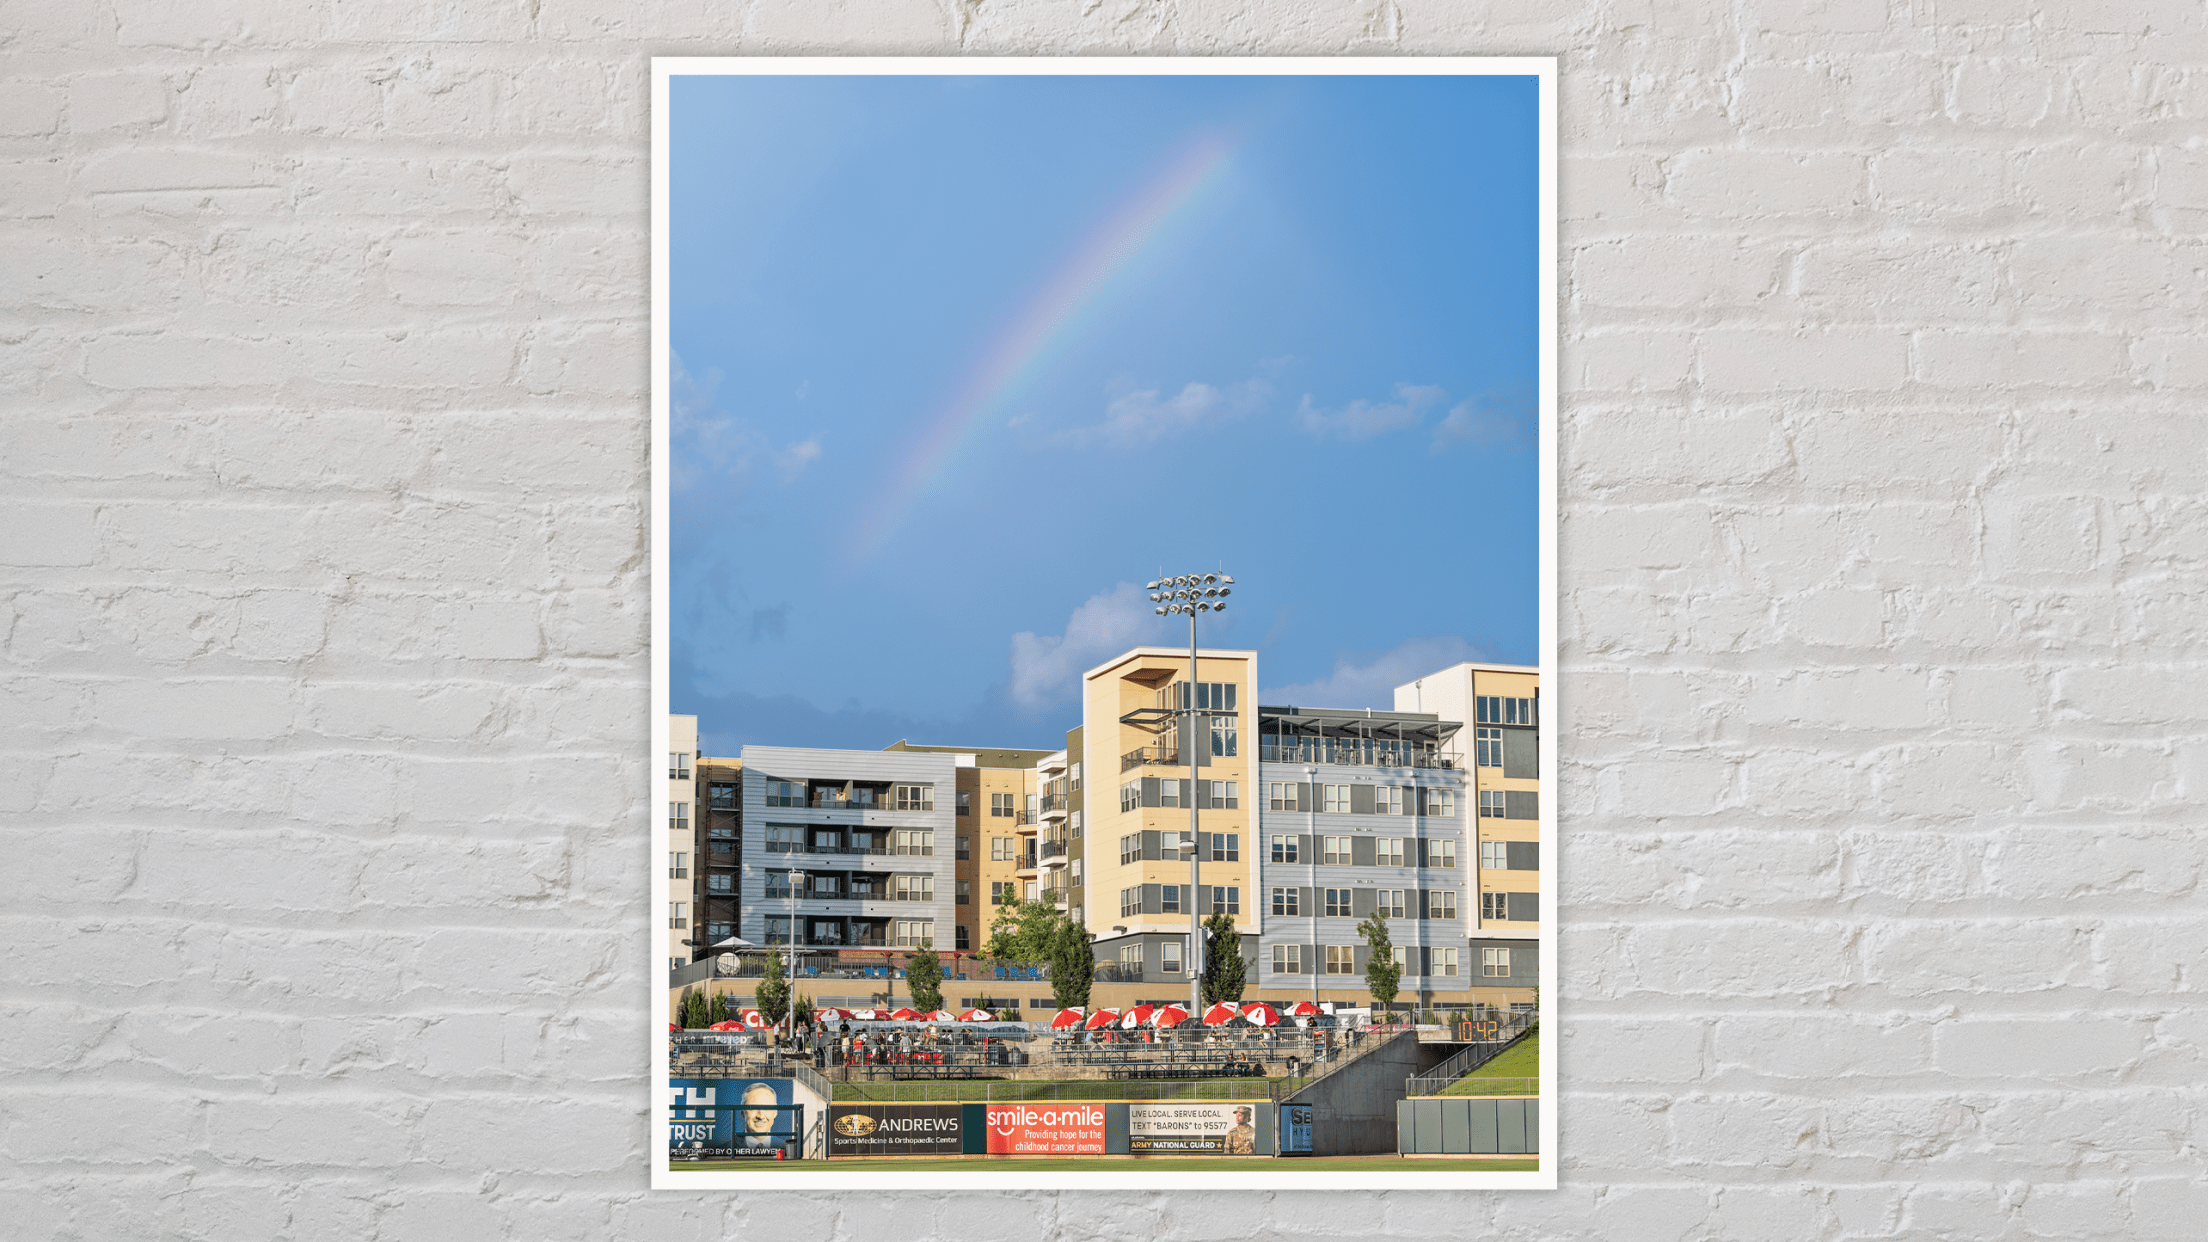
(686, 1009)
(803, 1004)
(1072, 965)
(1382, 975)
(717, 1012)
(773, 997)
(1224, 969)
(1022, 931)
(924, 976)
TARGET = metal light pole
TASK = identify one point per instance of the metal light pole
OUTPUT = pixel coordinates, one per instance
(1192, 594)
(1311, 826)
(797, 879)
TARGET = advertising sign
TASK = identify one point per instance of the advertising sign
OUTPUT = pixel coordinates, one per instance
(894, 1130)
(1218, 1129)
(730, 1118)
(1295, 1130)
(1046, 1129)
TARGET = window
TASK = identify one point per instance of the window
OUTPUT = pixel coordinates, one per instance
(1075, 824)
(1131, 955)
(915, 797)
(1441, 903)
(723, 795)
(909, 933)
(965, 803)
(1225, 735)
(1487, 748)
(1130, 795)
(828, 841)
(1495, 907)
(965, 847)
(1169, 899)
(1220, 795)
(1031, 808)
(824, 886)
(717, 932)
(1000, 892)
(1388, 903)
(1130, 902)
(675, 915)
(1169, 845)
(1334, 799)
(1001, 849)
(1341, 959)
(912, 888)
(1073, 778)
(779, 886)
(785, 793)
(1284, 849)
(1444, 962)
(1214, 696)
(1169, 793)
(1284, 797)
(865, 842)
(865, 886)
(1287, 959)
(964, 938)
(722, 883)
(1494, 855)
(1440, 802)
(1401, 955)
(1491, 804)
(1495, 963)
(785, 838)
(1387, 800)
(1337, 903)
(1226, 847)
(678, 817)
(778, 931)
(1169, 957)
(1226, 899)
(917, 841)
(678, 866)
(1388, 852)
(1334, 851)
(678, 766)
(1441, 853)
(1000, 805)
(1284, 901)
(1077, 869)
(1494, 709)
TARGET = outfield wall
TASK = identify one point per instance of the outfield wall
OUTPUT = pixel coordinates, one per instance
(1064, 1128)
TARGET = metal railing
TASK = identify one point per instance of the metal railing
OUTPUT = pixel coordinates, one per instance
(1167, 756)
(1011, 1091)
(1349, 752)
(1505, 1031)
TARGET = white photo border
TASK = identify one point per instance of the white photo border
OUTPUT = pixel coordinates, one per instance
(988, 1175)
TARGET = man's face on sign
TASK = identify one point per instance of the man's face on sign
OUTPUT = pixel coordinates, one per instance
(759, 1120)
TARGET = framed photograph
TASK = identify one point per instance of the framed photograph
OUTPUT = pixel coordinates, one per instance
(1104, 587)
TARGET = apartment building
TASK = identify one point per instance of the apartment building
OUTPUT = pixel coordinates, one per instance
(853, 848)
(995, 842)
(679, 796)
(1500, 751)
(718, 829)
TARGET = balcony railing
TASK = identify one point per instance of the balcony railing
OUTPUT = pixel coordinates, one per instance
(1054, 803)
(1349, 751)
(1169, 756)
(786, 847)
(1050, 849)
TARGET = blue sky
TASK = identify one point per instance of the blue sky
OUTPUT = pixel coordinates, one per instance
(960, 363)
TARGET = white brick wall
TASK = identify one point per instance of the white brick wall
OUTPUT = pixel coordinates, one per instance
(322, 751)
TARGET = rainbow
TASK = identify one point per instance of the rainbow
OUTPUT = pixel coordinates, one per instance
(1041, 323)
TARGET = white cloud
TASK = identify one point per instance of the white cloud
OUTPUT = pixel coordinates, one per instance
(1139, 418)
(1372, 684)
(1362, 420)
(1046, 668)
(1497, 416)
(710, 441)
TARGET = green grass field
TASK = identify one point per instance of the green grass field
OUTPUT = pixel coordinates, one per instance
(1522, 1060)
(1123, 1164)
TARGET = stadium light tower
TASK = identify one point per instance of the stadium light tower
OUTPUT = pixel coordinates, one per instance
(797, 881)
(1190, 594)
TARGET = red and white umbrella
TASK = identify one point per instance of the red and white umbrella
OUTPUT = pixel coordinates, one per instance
(840, 1015)
(1302, 1009)
(672, 1027)
(977, 1015)
(866, 1015)
(1067, 1019)
(1101, 1019)
(904, 1015)
(1262, 1014)
(940, 1016)
(1171, 1015)
(730, 1025)
(1220, 1014)
(1137, 1016)
(755, 1020)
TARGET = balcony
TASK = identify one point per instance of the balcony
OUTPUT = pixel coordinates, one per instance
(1052, 853)
(786, 847)
(1350, 752)
(1054, 804)
(1167, 756)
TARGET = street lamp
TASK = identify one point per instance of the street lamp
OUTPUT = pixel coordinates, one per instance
(797, 881)
(1189, 594)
